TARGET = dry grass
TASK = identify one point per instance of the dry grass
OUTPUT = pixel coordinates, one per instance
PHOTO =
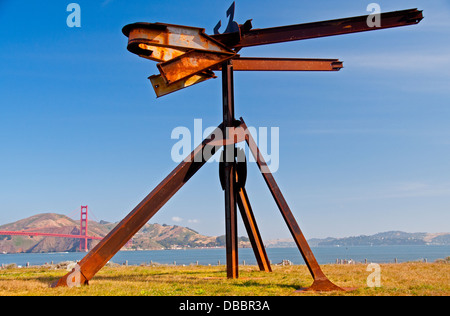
(418, 279)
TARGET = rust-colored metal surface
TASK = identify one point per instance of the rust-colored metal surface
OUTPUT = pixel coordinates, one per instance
(231, 235)
(304, 31)
(286, 64)
(252, 230)
(156, 53)
(189, 64)
(162, 88)
(172, 36)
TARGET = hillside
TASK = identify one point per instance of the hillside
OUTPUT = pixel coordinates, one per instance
(390, 238)
(381, 239)
(48, 223)
(150, 237)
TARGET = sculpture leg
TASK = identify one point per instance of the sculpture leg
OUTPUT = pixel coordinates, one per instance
(321, 282)
(141, 214)
(252, 230)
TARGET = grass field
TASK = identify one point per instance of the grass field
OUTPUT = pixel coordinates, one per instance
(405, 279)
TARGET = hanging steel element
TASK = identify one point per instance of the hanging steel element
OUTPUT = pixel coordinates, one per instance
(187, 56)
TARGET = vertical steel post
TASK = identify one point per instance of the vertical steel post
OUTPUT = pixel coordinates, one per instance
(229, 174)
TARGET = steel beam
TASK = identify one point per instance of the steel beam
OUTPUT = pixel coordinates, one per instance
(156, 53)
(141, 214)
(252, 230)
(286, 64)
(172, 36)
(231, 234)
(162, 88)
(189, 64)
(304, 31)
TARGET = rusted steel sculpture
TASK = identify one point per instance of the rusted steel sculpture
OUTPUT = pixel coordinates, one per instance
(187, 56)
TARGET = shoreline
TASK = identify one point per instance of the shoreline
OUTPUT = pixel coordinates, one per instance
(222, 247)
(68, 265)
(217, 256)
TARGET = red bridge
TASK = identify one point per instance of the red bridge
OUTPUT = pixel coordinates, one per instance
(82, 236)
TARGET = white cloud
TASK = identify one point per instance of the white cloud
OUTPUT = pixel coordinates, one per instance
(177, 219)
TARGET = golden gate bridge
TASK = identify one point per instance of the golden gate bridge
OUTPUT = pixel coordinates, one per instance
(83, 236)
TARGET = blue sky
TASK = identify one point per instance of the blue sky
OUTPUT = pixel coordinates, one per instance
(363, 150)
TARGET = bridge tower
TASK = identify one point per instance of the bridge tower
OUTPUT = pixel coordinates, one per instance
(84, 228)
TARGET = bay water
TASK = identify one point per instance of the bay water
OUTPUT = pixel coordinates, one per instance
(324, 255)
